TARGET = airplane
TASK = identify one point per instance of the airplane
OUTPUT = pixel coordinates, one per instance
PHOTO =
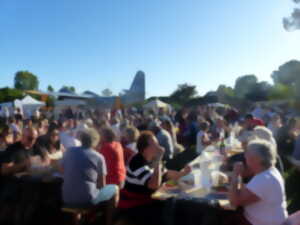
(135, 94)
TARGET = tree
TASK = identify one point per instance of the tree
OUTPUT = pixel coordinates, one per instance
(50, 88)
(67, 89)
(25, 80)
(224, 93)
(289, 74)
(107, 92)
(10, 94)
(184, 93)
(281, 91)
(72, 89)
(259, 92)
(244, 84)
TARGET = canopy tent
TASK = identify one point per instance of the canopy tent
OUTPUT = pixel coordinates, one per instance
(30, 105)
(218, 105)
(156, 105)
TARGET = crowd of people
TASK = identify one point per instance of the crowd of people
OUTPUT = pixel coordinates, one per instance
(114, 161)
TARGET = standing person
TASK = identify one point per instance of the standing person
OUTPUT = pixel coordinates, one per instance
(164, 139)
(286, 138)
(263, 198)
(203, 139)
(85, 169)
(168, 126)
(275, 124)
(114, 157)
(18, 114)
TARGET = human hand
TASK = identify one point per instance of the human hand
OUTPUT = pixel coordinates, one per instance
(238, 168)
(186, 170)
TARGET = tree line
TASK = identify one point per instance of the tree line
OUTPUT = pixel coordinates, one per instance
(286, 85)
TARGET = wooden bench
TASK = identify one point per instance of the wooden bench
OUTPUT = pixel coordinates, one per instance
(79, 215)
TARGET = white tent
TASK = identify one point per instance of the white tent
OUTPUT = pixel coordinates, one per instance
(30, 105)
(155, 105)
(218, 105)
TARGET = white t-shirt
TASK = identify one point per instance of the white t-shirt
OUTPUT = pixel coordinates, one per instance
(68, 141)
(271, 209)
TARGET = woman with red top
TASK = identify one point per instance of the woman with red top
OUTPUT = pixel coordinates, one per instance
(114, 156)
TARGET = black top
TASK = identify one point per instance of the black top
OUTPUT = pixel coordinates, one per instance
(138, 175)
(15, 153)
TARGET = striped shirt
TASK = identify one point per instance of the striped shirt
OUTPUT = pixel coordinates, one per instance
(138, 174)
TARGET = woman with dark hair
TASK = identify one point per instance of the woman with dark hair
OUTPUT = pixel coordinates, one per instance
(145, 172)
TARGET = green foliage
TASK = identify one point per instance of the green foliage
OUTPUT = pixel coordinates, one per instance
(25, 80)
(244, 84)
(107, 92)
(288, 73)
(10, 94)
(67, 89)
(183, 93)
(281, 91)
(259, 92)
(50, 101)
(50, 88)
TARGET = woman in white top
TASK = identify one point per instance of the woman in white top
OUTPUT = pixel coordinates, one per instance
(263, 198)
(203, 137)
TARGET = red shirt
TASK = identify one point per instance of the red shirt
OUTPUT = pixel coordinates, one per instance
(257, 122)
(114, 158)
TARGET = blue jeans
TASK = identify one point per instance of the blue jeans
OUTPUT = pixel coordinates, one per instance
(105, 194)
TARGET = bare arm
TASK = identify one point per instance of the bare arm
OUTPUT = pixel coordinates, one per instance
(101, 181)
(175, 175)
(12, 168)
(238, 194)
(156, 179)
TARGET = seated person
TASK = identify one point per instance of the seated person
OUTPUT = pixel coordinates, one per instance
(229, 166)
(293, 219)
(263, 198)
(113, 153)
(84, 173)
(17, 156)
(145, 172)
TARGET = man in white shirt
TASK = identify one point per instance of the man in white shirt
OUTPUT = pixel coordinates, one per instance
(263, 198)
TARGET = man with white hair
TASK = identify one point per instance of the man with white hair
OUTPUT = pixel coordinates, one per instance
(263, 198)
(262, 132)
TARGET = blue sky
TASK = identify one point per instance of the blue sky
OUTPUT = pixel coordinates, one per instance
(95, 44)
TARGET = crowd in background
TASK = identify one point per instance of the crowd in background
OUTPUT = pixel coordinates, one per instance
(117, 159)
